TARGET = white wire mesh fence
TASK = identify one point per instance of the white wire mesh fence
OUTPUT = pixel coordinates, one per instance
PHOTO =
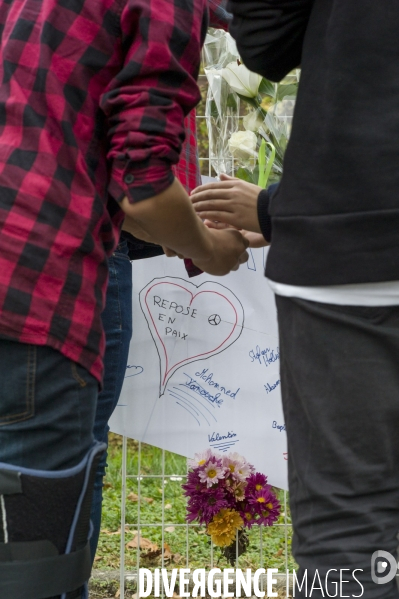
(178, 543)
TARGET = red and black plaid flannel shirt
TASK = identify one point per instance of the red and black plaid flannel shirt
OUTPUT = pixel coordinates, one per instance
(188, 169)
(92, 100)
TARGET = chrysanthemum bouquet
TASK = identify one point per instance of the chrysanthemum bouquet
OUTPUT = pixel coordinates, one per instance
(227, 495)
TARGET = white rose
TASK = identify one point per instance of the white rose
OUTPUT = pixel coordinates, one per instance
(253, 121)
(241, 80)
(242, 146)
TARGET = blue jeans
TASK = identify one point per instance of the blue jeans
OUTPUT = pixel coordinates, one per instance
(47, 406)
(117, 322)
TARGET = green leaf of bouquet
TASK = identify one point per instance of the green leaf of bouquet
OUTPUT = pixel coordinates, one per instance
(245, 175)
(265, 161)
(213, 109)
(262, 164)
(267, 88)
(251, 101)
(286, 90)
(231, 101)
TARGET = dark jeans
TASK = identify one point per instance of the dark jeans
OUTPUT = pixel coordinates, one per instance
(340, 387)
(117, 322)
(47, 406)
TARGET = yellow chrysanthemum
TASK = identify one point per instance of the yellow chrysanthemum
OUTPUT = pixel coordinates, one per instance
(224, 526)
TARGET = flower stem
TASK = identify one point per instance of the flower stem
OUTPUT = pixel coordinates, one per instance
(265, 166)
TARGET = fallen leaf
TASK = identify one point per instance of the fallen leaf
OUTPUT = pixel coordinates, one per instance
(111, 533)
(98, 557)
(170, 529)
(177, 558)
(118, 594)
(144, 544)
(152, 555)
(168, 506)
(155, 555)
(133, 497)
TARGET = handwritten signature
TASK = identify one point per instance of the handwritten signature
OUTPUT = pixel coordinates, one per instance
(266, 356)
(193, 385)
(208, 378)
(269, 388)
(279, 427)
(218, 437)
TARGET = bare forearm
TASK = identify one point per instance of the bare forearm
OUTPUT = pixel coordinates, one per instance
(169, 219)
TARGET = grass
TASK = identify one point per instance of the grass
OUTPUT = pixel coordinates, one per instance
(184, 546)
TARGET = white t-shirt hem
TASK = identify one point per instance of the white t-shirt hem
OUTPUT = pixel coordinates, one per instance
(361, 294)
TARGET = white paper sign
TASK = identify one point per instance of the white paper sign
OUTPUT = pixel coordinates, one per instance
(203, 367)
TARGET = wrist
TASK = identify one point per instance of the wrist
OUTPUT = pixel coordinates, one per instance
(205, 249)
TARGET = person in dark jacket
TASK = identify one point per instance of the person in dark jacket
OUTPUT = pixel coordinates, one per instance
(334, 265)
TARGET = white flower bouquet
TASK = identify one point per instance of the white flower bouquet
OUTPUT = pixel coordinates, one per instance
(251, 147)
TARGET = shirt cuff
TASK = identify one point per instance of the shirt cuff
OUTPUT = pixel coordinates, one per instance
(264, 218)
(139, 183)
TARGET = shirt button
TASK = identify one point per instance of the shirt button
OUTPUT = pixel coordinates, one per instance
(129, 179)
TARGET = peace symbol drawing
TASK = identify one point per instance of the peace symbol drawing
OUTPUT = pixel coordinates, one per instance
(214, 320)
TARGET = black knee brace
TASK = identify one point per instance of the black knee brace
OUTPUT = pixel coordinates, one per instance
(44, 530)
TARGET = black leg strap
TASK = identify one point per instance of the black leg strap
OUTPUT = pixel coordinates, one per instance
(45, 577)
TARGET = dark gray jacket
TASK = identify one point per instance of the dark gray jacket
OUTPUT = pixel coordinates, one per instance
(335, 215)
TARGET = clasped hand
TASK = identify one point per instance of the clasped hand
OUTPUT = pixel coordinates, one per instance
(230, 202)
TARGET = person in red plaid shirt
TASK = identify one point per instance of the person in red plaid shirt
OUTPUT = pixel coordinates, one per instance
(92, 101)
(117, 315)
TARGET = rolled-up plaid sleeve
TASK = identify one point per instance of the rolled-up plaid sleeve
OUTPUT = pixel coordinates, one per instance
(148, 98)
(219, 17)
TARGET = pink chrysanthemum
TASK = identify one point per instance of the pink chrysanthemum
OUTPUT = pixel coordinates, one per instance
(242, 468)
(205, 506)
(249, 518)
(256, 482)
(232, 467)
(237, 490)
(193, 484)
(266, 506)
(200, 459)
(212, 472)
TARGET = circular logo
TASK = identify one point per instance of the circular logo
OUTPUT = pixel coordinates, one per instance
(214, 320)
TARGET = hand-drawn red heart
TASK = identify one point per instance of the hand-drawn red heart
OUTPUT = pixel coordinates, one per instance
(189, 322)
